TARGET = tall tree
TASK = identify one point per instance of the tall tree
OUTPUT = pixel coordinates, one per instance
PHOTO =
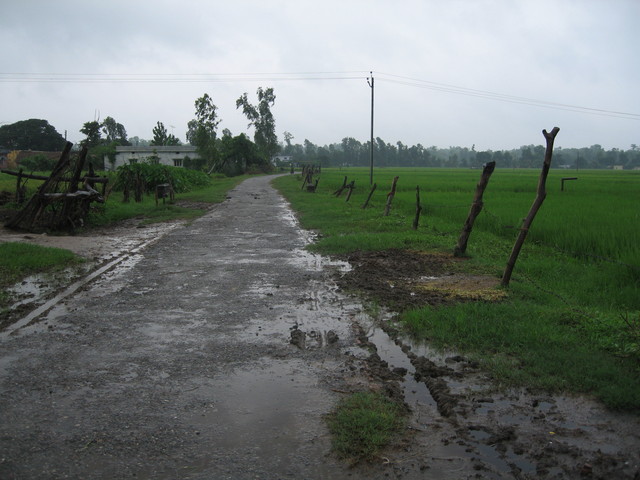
(92, 132)
(114, 132)
(261, 118)
(162, 137)
(32, 134)
(201, 131)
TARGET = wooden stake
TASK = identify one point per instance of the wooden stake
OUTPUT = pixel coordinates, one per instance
(366, 203)
(338, 192)
(537, 203)
(418, 208)
(351, 186)
(390, 196)
(476, 208)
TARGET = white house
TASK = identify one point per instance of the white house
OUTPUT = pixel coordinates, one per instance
(169, 155)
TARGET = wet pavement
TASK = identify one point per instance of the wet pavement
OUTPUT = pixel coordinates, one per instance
(176, 363)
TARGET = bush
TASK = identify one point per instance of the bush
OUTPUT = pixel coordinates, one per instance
(145, 177)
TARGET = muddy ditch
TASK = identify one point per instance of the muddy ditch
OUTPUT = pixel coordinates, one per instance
(470, 424)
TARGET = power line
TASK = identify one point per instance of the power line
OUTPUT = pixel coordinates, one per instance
(24, 77)
(447, 88)
(93, 78)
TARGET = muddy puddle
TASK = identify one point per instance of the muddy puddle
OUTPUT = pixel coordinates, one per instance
(107, 254)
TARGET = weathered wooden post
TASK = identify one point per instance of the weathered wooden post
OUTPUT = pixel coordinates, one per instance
(476, 208)
(390, 196)
(564, 179)
(351, 186)
(418, 208)
(19, 197)
(366, 203)
(338, 192)
(537, 203)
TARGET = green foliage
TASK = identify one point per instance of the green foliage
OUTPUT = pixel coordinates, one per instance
(363, 424)
(202, 131)
(32, 134)
(114, 132)
(261, 118)
(353, 153)
(146, 176)
(239, 155)
(214, 192)
(38, 162)
(162, 137)
(92, 132)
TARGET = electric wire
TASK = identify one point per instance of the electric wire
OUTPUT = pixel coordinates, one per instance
(158, 78)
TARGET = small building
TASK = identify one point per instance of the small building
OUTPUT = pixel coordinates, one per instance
(281, 159)
(618, 167)
(173, 156)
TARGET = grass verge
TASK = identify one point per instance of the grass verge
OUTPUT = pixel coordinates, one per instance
(363, 424)
(115, 210)
(18, 260)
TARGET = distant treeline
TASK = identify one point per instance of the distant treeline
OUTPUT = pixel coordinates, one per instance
(351, 152)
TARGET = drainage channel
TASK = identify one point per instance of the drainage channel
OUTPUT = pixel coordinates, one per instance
(414, 392)
(475, 444)
(70, 290)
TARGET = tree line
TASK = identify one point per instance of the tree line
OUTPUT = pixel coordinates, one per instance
(227, 153)
(351, 152)
(237, 154)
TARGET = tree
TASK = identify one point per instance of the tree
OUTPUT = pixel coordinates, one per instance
(32, 134)
(287, 143)
(261, 118)
(162, 137)
(114, 132)
(201, 131)
(92, 132)
(239, 154)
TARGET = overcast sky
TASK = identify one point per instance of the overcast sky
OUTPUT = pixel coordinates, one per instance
(447, 72)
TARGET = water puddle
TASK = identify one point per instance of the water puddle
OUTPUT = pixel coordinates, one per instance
(45, 304)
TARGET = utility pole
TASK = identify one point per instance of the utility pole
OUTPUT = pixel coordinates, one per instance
(371, 159)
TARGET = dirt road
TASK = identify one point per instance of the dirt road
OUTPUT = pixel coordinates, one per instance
(177, 363)
(181, 366)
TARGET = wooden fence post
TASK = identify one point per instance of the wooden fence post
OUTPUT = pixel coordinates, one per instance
(390, 196)
(476, 208)
(338, 192)
(351, 186)
(418, 208)
(366, 203)
(537, 203)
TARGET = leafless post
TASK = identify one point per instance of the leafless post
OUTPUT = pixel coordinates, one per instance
(390, 196)
(366, 203)
(418, 208)
(338, 192)
(351, 186)
(537, 203)
(476, 208)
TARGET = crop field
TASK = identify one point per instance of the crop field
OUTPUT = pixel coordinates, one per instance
(571, 317)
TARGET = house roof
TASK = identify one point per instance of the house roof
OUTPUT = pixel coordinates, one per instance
(157, 149)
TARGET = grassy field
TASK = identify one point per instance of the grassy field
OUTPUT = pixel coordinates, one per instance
(571, 320)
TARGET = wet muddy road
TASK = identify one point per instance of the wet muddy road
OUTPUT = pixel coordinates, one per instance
(176, 362)
(180, 366)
